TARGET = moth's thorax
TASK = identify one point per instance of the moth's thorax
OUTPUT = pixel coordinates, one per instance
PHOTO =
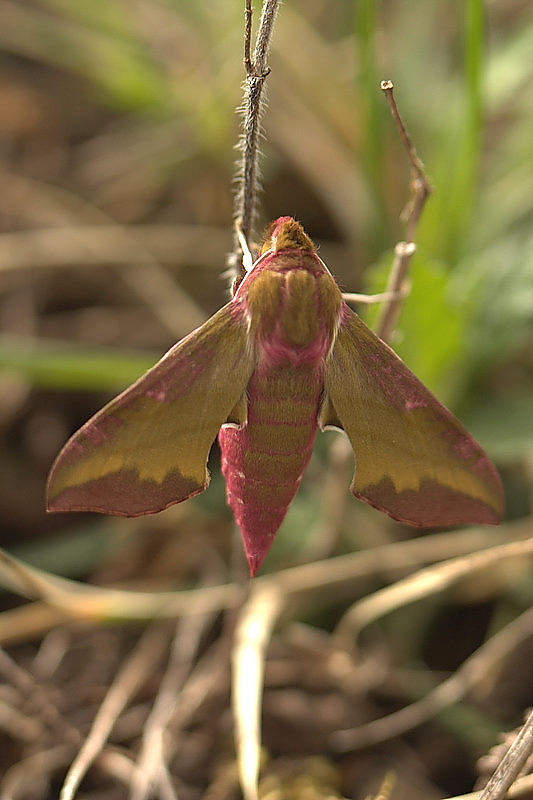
(292, 305)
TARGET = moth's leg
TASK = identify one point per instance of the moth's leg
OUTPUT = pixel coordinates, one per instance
(247, 257)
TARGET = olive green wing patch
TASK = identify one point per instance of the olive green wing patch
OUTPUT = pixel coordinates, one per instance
(148, 448)
(413, 459)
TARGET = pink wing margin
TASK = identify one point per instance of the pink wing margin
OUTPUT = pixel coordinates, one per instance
(414, 460)
(148, 448)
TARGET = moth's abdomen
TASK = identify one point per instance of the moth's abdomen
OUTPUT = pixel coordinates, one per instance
(264, 461)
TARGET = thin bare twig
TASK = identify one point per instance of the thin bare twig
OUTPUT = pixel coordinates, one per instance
(143, 659)
(421, 187)
(471, 673)
(248, 19)
(151, 762)
(47, 711)
(247, 174)
(422, 584)
(522, 788)
(511, 764)
(420, 191)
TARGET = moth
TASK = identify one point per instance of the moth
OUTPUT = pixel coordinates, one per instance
(285, 357)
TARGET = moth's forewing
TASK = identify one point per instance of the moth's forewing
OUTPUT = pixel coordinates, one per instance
(148, 448)
(413, 459)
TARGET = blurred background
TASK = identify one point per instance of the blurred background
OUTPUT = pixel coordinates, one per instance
(117, 160)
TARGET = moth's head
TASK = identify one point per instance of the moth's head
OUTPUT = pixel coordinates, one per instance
(286, 233)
